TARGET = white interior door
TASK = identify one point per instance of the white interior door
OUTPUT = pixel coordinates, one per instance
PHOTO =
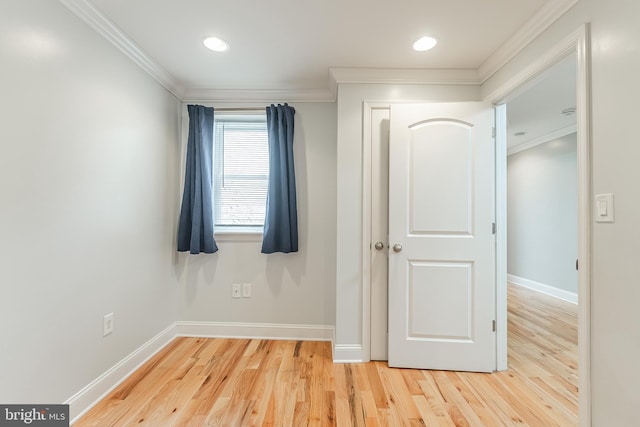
(442, 256)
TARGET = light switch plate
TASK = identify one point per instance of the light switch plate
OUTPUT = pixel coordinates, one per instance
(604, 209)
(246, 290)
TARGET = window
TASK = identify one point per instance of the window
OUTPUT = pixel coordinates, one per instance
(241, 172)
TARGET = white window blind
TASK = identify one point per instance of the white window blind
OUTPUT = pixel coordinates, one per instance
(241, 170)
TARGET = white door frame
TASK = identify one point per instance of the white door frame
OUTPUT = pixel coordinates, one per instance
(578, 43)
(367, 108)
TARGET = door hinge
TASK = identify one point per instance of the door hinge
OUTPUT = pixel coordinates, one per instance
(493, 132)
(493, 228)
(493, 325)
(577, 266)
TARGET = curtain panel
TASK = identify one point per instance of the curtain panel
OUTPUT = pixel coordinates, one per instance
(281, 220)
(195, 227)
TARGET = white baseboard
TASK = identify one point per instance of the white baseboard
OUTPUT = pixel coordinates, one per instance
(270, 331)
(86, 398)
(571, 297)
(347, 353)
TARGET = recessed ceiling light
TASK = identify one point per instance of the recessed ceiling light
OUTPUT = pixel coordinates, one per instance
(425, 43)
(216, 44)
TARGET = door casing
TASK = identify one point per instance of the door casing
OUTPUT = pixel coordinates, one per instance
(578, 43)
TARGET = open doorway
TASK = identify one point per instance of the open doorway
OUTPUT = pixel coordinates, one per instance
(576, 45)
(542, 232)
(542, 184)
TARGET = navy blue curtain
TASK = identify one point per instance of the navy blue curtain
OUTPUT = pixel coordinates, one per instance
(281, 221)
(195, 229)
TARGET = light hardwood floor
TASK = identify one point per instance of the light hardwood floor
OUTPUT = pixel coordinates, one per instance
(223, 382)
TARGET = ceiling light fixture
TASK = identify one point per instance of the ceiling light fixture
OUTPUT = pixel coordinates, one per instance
(216, 44)
(569, 111)
(425, 43)
(519, 134)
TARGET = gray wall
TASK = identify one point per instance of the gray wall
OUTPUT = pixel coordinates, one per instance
(542, 206)
(88, 180)
(296, 288)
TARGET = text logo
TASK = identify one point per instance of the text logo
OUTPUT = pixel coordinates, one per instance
(34, 415)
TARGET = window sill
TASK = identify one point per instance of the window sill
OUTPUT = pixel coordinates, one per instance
(238, 234)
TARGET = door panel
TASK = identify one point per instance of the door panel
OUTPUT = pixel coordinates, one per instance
(440, 151)
(440, 284)
(442, 261)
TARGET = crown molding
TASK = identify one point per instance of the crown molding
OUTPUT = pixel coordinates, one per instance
(258, 95)
(404, 76)
(542, 20)
(86, 11)
(551, 136)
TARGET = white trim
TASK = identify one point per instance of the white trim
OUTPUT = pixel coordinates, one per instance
(404, 76)
(85, 399)
(552, 291)
(267, 96)
(367, 108)
(579, 43)
(527, 76)
(224, 233)
(552, 136)
(583, 111)
(92, 16)
(542, 20)
(501, 237)
(366, 231)
(348, 353)
(269, 331)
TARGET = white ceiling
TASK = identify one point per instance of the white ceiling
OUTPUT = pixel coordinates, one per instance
(292, 44)
(296, 47)
(537, 110)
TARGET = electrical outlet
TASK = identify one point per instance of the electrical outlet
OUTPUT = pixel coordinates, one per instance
(107, 324)
(246, 290)
(236, 291)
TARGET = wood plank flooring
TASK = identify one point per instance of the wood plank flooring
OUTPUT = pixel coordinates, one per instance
(222, 382)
